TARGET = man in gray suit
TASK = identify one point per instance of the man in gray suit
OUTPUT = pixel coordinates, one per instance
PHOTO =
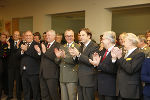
(129, 69)
(86, 72)
(68, 68)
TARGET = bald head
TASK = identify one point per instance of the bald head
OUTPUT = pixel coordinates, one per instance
(28, 36)
(16, 35)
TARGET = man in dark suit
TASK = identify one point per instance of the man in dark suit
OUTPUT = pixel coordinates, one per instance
(30, 66)
(106, 68)
(3, 64)
(14, 67)
(145, 77)
(49, 70)
(86, 71)
(129, 69)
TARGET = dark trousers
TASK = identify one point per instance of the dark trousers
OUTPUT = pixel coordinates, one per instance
(14, 74)
(30, 82)
(49, 89)
(0, 83)
(120, 98)
(146, 97)
(102, 97)
(5, 77)
(86, 93)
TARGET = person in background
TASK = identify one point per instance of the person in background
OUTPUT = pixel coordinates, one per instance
(44, 38)
(142, 44)
(23, 38)
(79, 39)
(68, 68)
(121, 38)
(101, 45)
(59, 38)
(3, 64)
(14, 66)
(121, 42)
(37, 37)
(147, 34)
(148, 41)
(86, 72)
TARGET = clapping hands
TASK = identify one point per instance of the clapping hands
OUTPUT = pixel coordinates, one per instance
(116, 53)
(96, 59)
(74, 51)
(59, 53)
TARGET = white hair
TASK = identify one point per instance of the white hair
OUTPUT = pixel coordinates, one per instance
(110, 35)
(52, 31)
(133, 38)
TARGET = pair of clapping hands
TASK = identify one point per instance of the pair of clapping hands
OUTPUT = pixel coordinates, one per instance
(61, 53)
(24, 48)
(116, 53)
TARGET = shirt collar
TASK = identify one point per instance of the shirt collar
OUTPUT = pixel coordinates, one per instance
(143, 47)
(70, 43)
(130, 51)
(30, 42)
(109, 49)
(87, 43)
(51, 42)
(16, 41)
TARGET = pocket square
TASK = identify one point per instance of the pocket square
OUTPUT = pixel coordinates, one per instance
(127, 59)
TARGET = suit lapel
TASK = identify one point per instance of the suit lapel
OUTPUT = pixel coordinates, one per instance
(88, 46)
(133, 53)
(31, 45)
(51, 47)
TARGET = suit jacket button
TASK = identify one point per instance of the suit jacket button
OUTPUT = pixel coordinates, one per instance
(73, 70)
(64, 66)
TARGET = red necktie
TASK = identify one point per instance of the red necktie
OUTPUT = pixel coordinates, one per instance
(104, 56)
(48, 45)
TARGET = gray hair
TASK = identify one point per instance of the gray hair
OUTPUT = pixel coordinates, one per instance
(110, 35)
(133, 38)
(52, 31)
(142, 38)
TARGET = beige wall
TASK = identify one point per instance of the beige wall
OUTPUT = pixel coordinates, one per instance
(97, 18)
(131, 20)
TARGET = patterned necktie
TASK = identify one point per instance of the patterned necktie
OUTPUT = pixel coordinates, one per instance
(28, 45)
(104, 55)
(15, 43)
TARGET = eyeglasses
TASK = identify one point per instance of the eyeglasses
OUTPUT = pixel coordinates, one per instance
(68, 35)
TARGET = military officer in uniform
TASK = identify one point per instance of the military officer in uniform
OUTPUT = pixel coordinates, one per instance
(68, 68)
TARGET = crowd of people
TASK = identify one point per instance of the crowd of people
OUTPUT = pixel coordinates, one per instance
(50, 69)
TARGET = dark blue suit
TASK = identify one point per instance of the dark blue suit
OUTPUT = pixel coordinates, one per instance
(145, 77)
(107, 77)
